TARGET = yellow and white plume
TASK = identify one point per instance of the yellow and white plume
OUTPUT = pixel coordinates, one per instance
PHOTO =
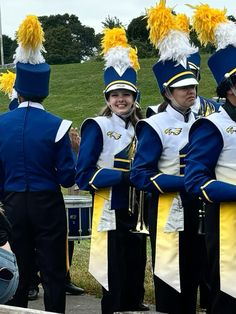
(212, 26)
(117, 52)
(7, 80)
(30, 38)
(183, 22)
(168, 35)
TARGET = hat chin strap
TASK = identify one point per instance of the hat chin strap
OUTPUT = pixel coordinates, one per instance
(174, 103)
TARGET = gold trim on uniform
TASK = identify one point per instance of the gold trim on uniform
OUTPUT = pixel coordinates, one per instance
(114, 134)
(173, 131)
(177, 76)
(93, 177)
(122, 160)
(121, 82)
(204, 192)
(231, 129)
(154, 182)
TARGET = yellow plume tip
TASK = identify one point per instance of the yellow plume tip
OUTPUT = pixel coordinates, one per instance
(7, 81)
(160, 21)
(205, 20)
(133, 55)
(30, 33)
(183, 22)
(113, 38)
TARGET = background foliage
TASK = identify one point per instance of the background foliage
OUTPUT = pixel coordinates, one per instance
(69, 41)
(76, 90)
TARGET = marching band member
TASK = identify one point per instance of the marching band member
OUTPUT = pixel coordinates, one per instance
(158, 168)
(202, 106)
(106, 150)
(36, 158)
(210, 163)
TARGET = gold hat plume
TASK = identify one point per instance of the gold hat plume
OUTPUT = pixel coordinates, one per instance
(160, 21)
(168, 33)
(183, 22)
(30, 38)
(7, 80)
(212, 26)
(116, 50)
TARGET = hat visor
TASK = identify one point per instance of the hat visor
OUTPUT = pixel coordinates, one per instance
(120, 86)
(185, 82)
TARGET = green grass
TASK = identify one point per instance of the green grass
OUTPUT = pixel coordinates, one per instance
(76, 89)
(81, 276)
(75, 94)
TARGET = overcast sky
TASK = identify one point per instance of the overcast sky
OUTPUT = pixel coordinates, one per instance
(92, 12)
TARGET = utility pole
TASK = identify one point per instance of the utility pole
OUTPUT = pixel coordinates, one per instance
(1, 41)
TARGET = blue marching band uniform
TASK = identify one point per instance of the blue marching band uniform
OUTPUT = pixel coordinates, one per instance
(181, 160)
(107, 141)
(210, 173)
(36, 160)
(117, 255)
(177, 247)
(32, 174)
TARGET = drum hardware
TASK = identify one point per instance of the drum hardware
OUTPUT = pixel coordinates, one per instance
(79, 213)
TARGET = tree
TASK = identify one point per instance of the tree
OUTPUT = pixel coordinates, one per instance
(138, 36)
(9, 47)
(111, 22)
(67, 40)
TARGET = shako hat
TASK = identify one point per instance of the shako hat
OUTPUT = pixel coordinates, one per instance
(167, 35)
(32, 72)
(212, 26)
(121, 61)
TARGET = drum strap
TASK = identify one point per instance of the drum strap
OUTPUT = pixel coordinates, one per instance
(228, 248)
(167, 245)
(98, 262)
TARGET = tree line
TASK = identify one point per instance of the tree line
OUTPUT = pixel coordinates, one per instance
(67, 40)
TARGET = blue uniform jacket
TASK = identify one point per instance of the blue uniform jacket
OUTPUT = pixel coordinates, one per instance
(31, 157)
(205, 146)
(91, 147)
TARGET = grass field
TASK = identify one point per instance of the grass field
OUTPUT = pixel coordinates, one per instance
(75, 94)
(81, 276)
(76, 89)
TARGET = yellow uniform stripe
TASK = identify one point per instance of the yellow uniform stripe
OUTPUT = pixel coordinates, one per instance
(167, 245)
(98, 261)
(228, 248)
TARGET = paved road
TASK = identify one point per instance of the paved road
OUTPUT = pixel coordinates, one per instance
(82, 304)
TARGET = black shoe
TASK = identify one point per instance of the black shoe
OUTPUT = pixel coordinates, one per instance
(33, 294)
(73, 289)
(142, 307)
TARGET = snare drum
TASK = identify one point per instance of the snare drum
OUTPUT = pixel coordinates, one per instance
(79, 213)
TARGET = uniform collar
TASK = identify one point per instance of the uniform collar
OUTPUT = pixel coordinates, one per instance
(31, 104)
(179, 115)
(122, 122)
